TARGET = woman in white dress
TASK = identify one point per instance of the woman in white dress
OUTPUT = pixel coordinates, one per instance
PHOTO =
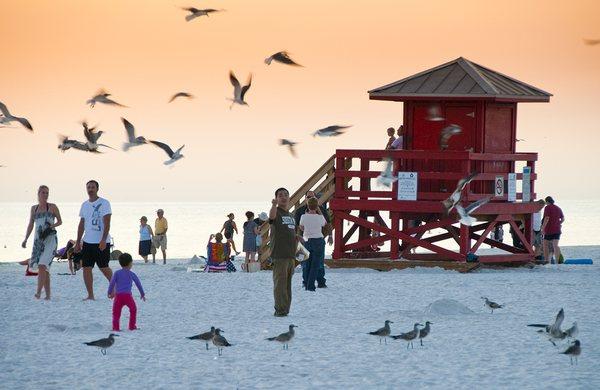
(45, 217)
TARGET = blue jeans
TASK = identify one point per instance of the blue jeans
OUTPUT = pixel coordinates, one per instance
(314, 268)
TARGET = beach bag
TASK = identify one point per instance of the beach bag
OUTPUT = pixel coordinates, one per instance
(302, 254)
(253, 266)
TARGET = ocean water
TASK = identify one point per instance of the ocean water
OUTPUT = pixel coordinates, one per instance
(190, 225)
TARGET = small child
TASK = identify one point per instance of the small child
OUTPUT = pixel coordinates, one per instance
(120, 289)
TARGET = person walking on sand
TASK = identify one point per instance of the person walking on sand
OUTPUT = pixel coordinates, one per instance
(146, 235)
(160, 235)
(45, 217)
(283, 251)
(93, 238)
(120, 289)
(311, 224)
(250, 234)
(551, 227)
(229, 227)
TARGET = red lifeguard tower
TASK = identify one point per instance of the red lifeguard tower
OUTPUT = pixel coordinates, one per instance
(483, 103)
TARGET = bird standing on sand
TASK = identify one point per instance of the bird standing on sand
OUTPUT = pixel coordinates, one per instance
(290, 145)
(220, 341)
(285, 338)
(384, 332)
(330, 131)
(103, 97)
(206, 336)
(425, 331)
(132, 140)
(464, 213)
(574, 350)
(492, 305)
(447, 133)
(455, 197)
(409, 336)
(196, 13)
(181, 94)
(386, 178)
(7, 117)
(238, 91)
(173, 155)
(103, 344)
(282, 57)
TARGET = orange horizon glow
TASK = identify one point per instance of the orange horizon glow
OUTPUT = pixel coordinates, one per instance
(56, 55)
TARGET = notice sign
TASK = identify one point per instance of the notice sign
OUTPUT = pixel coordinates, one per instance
(407, 185)
(526, 184)
(512, 187)
(499, 186)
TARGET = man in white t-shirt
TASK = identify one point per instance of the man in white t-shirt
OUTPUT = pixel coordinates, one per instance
(93, 238)
(311, 224)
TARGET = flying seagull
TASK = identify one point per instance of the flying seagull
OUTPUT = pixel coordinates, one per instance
(465, 212)
(103, 344)
(425, 331)
(573, 351)
(196, 13)
(66, 144)
(7, 117)
(102, 97)
(573, 331)
(92, 136)
(330, 131)
(591, 42)
(383, 332)
(434, 113)
(206, 336)
(181, 94)
(285, 338)
(554, 328)
(386, 178)
(238, 91)
(409, 336)
(492, 305)
(453, 199)
(282, 57)
(220, 341)
(290, 145)
(447, 133)
(173, 155)
(132, 140)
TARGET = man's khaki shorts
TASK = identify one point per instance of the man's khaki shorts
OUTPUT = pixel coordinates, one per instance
(160, 241)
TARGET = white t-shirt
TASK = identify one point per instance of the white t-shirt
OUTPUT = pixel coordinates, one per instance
(313, 223)
(536, 221)
(93, 214)
(398, 143)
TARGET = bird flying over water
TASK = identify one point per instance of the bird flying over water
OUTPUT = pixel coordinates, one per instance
(173, 155)
(103, 344)
(103, 97)
(7, 117)
(181, 94)
(132, 140)
(330, 131)
(238, 91)
(195, 12)
(290, 145)
(66, 144)
(453, 199)
(282, 57)
(447, 133)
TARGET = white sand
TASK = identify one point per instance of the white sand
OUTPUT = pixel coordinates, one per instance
(41, 342)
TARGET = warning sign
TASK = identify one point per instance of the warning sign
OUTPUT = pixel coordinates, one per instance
(407, 185)
(499, 186)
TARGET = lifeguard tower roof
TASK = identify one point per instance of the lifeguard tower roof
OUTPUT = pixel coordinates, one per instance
(460, 79)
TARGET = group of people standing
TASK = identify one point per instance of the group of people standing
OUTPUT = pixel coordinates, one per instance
(151, 240)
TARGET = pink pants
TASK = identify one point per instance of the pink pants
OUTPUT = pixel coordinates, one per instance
(124, 299)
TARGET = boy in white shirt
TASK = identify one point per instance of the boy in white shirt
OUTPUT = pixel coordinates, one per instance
(311, 224)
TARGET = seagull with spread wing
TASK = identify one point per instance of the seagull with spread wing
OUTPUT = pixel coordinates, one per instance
(465, 212)
(196, 13)
(7, 118)
(330, 131)
(103, 97)
(447, 133)
(290, 144)
(173, 155)
(453, 199)
(283, 57)
(238, 91)
(181, 94)
(132, 140)
(92, 136)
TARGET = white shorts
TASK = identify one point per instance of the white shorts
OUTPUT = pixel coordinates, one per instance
(160, 241)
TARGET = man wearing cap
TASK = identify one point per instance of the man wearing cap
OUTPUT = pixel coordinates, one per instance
(160, 235)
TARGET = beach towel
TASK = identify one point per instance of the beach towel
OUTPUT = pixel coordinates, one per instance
(218, 258)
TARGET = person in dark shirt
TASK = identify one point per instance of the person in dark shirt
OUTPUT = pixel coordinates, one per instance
(283, 251)
(551, 228)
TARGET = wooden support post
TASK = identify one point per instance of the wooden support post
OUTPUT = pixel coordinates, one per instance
(465, 240)
(394, 244)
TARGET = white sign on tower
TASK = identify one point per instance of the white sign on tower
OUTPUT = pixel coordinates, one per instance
(407, 185)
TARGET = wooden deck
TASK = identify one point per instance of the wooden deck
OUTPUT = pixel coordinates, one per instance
(383, 264)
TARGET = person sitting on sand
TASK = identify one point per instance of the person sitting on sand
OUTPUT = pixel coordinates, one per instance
(218, 254)
(229, 227)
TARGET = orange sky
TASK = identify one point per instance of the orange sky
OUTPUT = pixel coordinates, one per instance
(56, 54)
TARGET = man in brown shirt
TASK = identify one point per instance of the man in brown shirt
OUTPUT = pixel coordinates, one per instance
(283, 251)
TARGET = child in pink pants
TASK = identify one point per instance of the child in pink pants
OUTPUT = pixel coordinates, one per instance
(120, 289)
